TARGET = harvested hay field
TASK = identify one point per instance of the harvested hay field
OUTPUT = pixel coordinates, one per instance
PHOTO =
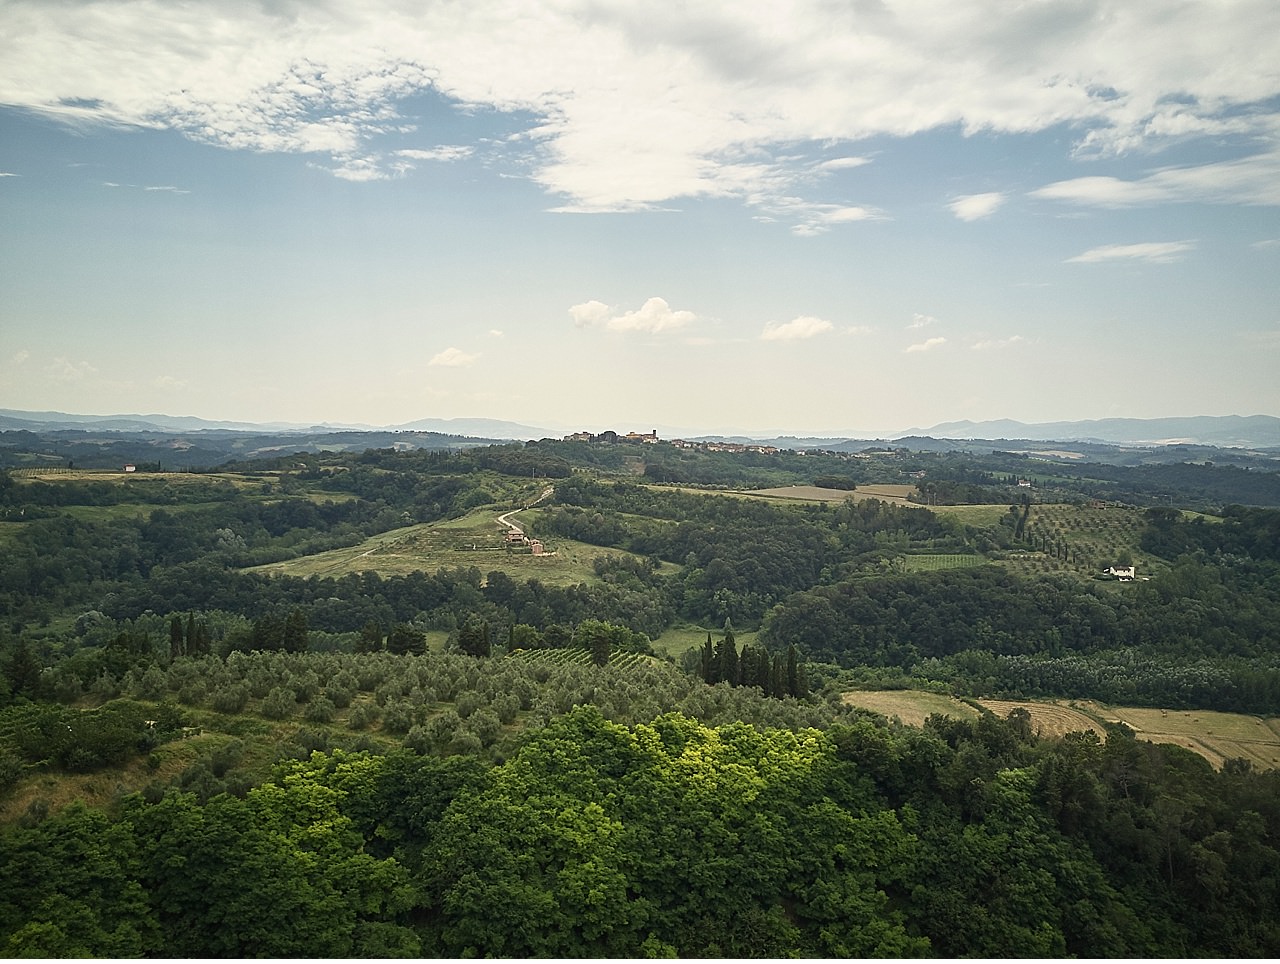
(1048, 719)
(1218, 737)
(912, 707)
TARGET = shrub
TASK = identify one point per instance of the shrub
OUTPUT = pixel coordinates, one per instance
(363, 715)
(506, 706)
(279, 704)
(485, 725)
(397, 717)
(321, 710)
(105, 687)
(339, 695)
(467, 702)
(230, 699)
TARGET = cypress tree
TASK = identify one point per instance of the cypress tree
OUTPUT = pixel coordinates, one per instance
(294, 637)
(727, 658)
(176, 647)
(23, 670)
(709, 666)
(778, 677)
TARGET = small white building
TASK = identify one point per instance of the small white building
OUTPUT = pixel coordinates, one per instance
(1123, 573)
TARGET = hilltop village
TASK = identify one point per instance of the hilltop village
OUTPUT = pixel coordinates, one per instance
(651, 438)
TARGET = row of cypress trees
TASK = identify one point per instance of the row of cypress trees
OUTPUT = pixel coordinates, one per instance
(776, 674)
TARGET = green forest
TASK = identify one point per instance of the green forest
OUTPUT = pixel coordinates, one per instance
(646, 752)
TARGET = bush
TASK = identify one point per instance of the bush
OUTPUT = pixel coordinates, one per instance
(484, 723)
(339, 695)
(321, 710)
(467, 702)
(507, 705)
(279, 704)
(465, 742)
(230, 699)
(363, 715)
(193, 693)
(105, 687)
(397, 717)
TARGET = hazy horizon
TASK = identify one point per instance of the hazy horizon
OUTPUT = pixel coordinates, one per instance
(504, 428)
(764, 218)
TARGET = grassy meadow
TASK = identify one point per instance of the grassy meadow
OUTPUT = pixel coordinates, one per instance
(475, 539)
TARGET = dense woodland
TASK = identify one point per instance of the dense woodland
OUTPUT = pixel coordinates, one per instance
(302, 774)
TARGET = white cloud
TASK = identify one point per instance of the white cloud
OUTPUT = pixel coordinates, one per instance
(453, 358)
(811, 218)
(20, 357)
(843, 163)
(921, 321)
(168, 382)
(9, 174)
(974, 207)
(1155, 252)
(64, 370)
(589, 313)
(654, 316)
(633, 110)
(1247, 180)
(927, 345)
(447, 152)
(804, 326)
(990, 344)
(496, 333)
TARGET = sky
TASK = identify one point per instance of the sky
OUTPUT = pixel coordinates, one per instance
(806, 217)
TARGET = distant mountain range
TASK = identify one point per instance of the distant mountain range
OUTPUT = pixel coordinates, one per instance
(1223, 431)
(489, 428)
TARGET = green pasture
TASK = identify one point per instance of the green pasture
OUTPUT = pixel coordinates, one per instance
(676, 639)
(972, 515)
(475, 539)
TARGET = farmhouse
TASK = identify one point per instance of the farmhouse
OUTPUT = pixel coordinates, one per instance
(1123, 573)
